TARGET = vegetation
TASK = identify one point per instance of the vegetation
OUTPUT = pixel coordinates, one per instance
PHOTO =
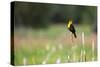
(36, 45)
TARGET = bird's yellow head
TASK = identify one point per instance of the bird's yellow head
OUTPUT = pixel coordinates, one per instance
(69, 23)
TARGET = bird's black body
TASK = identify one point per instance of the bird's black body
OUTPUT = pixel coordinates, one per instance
(72, 29)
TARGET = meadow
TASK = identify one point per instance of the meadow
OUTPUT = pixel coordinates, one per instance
(54, 45)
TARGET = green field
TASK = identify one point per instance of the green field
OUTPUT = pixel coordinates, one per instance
(53, 45)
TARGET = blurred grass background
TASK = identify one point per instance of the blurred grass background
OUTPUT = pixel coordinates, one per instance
(35, 45)
(41, 36)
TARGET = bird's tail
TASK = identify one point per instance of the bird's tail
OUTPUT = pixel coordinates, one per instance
(75, 35)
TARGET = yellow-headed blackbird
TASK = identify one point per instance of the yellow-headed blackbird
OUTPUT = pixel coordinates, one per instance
(71, 28)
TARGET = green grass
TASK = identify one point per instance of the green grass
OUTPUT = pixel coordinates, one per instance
(32, 45)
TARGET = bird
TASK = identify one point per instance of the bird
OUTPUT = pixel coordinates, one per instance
(71, 28)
